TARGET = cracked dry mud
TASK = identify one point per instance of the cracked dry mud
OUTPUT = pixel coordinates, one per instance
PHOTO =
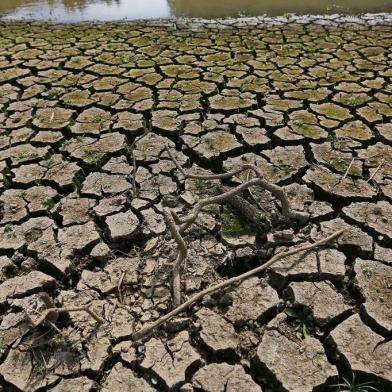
(310, 104)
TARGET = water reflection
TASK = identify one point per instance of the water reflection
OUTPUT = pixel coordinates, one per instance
(103, 10)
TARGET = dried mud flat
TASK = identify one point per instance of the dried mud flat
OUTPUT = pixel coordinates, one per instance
(309, 103)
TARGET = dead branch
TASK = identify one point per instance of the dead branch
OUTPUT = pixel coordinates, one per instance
(376, 171)
(348, 168)
(182, 254)
(276, 190)
(249, 211)
(134, 164)
(149, 328)
(54, 311)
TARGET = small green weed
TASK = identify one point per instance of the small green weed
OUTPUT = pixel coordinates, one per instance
(302, 319)
(368, 271)
(354, 386)
(10, 230)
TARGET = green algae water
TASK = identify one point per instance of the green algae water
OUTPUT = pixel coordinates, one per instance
(112, 10)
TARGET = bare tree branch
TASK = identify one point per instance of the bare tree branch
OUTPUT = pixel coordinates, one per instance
(149, 328)
(53, 311)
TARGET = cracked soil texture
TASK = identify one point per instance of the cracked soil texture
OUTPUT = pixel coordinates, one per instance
(309, 103)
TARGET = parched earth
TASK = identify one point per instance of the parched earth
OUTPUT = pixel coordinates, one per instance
(309, 103)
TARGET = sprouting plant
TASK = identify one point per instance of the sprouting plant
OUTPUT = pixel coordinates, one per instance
(354, 386)
(299, 122)
(2, 344)
(27, 154)
(54, 93)
(200, 183)
(49, 203)
(368, 271)
(302, 319)
(40, 369)
(10, 230)
(99, 119)
(352, 100)
(15, 356)
(136, 252)
(233, 224)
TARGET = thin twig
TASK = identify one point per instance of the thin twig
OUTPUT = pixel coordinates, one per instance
(52, 311)
(182, 254)
(120, 298)
(376, 171)
(348, 169)
(134, 164)
(149, 328)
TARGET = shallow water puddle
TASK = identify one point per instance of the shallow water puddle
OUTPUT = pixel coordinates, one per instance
(107, 10)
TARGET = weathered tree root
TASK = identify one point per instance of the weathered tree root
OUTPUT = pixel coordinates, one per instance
(230, 195)
(250, 212)
(182, 254)
(135, 191)
(149, 328)
(276, 190)
(55, 311)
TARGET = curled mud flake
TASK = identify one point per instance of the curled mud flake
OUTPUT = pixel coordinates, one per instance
(171, 361)
(321, 297)
(120, 377)
(335, 185)
(24, 285)
(353, 236)
(332, 111)
(82, 384)
(92, 121)
(385, 131)
(75, 211)
(216, 333)
(106, 70)
(377, 216)
(6, 266)
(13, 73)
(122, 226)
(221, 377)
(18, 119)
(24, 153)
(13, 206)
(356, 130)
(306, 124)
(253, 137)
(250, 300)
(129, 122)
(295, 366)
(376, 155)
(383, 254)
(343, 162)
(369, 355)
(102, 184)
(78, 238)
(52, 118)
(48, 137)
(373, 279)
(78, 63)
(18, 370)
(232, 100)
(77, 99)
